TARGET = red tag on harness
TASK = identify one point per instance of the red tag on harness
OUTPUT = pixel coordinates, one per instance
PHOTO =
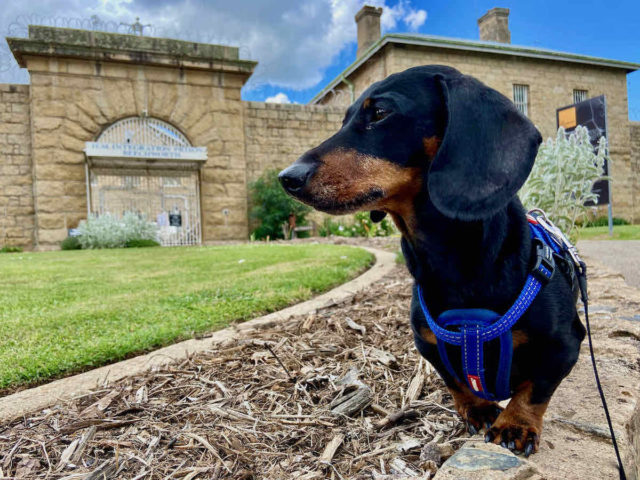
(475, 383)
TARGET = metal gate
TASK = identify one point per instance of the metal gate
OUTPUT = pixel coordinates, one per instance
(169, 198)
(146, 166)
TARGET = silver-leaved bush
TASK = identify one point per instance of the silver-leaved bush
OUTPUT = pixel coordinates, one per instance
(108, 231)
(563, 175)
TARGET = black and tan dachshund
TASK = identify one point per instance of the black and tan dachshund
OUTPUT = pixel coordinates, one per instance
(444, 156)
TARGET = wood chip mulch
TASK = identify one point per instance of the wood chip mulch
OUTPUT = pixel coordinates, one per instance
(338, 394)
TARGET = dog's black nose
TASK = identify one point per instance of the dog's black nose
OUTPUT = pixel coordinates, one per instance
(295, 177)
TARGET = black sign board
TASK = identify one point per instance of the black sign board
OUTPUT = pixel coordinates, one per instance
(175, 220)
(592, 114)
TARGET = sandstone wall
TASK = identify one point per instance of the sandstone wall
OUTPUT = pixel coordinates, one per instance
(16, 189)
(74, 100)
(551, 85)
(276, 135)
(634, 128)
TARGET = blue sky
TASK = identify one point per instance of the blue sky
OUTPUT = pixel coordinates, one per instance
(303, 44)
(601, 29)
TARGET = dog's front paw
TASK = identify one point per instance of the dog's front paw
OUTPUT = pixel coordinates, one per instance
(479, 415)
(477, 412)
(518, 433)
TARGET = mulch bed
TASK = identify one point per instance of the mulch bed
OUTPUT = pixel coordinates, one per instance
(339, 394)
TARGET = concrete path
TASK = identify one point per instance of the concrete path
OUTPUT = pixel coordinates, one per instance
(620, 255)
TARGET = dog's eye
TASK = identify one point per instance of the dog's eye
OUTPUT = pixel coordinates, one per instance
(379, 114)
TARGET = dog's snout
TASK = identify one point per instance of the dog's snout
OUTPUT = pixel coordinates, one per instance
(294, 178)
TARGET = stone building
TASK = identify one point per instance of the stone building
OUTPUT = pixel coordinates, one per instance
(116, 123)
(538, 80)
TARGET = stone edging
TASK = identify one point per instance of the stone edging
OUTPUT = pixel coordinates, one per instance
(37, 398)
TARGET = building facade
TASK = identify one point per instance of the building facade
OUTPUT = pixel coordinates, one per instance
(115, 123)
(538, 81)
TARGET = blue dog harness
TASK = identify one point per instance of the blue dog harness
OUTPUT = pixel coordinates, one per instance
(470, 329)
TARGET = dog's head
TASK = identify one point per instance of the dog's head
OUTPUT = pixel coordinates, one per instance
(428, 129)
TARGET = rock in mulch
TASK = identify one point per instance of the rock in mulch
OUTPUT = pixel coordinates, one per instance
(482, 461)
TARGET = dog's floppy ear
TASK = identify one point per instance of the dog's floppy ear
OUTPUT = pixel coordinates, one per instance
(486, 154)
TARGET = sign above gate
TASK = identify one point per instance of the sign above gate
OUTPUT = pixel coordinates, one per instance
(130, 150)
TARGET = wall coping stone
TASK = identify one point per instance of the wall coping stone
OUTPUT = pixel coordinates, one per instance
(116, 47)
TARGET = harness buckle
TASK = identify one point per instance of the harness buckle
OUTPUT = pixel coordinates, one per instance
(545, 264)
(556, 234)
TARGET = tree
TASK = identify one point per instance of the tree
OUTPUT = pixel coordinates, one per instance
(271, 206)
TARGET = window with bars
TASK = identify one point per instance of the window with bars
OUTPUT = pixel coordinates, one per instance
(579, 96)
(521, 98)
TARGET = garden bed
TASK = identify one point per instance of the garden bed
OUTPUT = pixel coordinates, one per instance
(258, 406)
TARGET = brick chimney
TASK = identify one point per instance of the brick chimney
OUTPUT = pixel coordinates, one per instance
(368, 21)
(494, 26)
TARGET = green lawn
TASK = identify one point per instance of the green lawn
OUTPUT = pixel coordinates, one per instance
(620, 232)
(63, 312)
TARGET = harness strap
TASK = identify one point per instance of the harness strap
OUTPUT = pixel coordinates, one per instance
(474, 327)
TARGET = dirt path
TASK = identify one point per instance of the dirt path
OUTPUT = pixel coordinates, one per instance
(264, 406)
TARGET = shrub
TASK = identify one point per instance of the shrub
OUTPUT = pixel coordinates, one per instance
(362, 227)
(107, 231)
(366, 228)
(141, 242)
(562, 177)
(71, 243)
(271, 206)
(339, 229)
(10, 249)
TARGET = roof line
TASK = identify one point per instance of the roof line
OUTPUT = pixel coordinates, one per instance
(473, 45)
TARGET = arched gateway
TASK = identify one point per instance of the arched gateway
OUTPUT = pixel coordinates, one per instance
(148, 167)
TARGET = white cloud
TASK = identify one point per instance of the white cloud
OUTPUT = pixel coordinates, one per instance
(294, 42)
(415, 19)
(278, 98)
(401, 12)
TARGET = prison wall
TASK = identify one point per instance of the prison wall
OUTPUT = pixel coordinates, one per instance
(77, 101)
(277, 134)
(634, 136)
(16, 185)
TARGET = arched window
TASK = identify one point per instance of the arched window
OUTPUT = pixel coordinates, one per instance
(143, 131)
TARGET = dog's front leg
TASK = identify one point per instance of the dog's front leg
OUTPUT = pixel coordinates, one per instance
(519, 426)
(477, 412)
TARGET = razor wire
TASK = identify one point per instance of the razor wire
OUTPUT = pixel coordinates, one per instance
(10, 72)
